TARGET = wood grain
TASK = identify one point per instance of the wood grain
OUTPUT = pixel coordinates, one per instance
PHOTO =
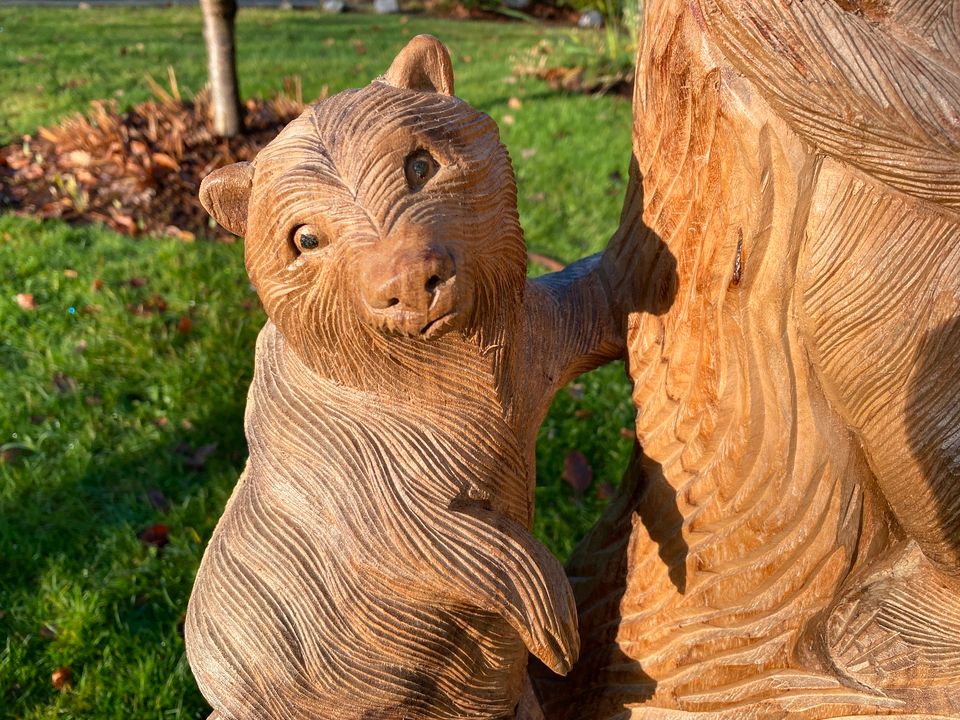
(375, 559)
(786, 543)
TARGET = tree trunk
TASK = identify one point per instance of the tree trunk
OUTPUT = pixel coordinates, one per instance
(218, 17)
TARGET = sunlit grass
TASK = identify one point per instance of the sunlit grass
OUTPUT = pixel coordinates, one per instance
(105, 389)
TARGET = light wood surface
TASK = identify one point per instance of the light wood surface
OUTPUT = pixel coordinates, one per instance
(375, 559)
(787, 545)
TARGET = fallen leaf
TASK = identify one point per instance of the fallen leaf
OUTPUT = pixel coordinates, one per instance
(549, 263)
(62, 678)
(165, 161)
(577, 471)
(509, 119)
(198, 459)
(96, 285)
(137, 282)
(582, 413)
(10, 455)
(124, 223)
(514, 103)
(184, 324)
(70, 273)
(158, 500)
(63, 383)
(156, 304)
(157, 535)
(575, 390)
(26, 301)
(184, 235)
(47, 632)
(79, 158)
(161, 421)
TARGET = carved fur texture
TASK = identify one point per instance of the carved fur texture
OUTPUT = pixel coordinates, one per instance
(375, 559)
(788, 543)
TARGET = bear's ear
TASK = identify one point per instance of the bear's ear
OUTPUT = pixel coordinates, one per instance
(225, 194)
(424, 64)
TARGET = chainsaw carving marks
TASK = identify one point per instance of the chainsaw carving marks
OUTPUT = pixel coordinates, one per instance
(787, 544)
(375, 559)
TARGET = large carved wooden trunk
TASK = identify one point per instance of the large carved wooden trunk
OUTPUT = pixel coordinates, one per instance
(787, 543)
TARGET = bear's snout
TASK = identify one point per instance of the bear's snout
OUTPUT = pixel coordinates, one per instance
(412, 291)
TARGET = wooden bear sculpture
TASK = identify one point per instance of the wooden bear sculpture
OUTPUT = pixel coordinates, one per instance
(788, 545)
(375, 559)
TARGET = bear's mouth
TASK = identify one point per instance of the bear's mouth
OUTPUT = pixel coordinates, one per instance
(439, 326)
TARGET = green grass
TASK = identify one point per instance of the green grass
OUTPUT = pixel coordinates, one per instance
(94, 402)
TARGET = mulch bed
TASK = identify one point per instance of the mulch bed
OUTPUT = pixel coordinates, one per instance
(573, 80)
(543, 11)
(137, 171)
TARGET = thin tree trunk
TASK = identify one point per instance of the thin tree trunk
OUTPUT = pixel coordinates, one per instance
(218, 17)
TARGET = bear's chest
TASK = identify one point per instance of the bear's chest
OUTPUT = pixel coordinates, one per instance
(334, 448)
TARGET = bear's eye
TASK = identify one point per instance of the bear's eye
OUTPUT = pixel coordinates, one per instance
(309, 237)
(419, 167)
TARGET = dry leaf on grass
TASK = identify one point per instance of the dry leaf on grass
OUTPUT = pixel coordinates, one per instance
(63, 383)
(62, 678)
(157, 535)
(158, 500)
(26, 301)
(577, 471)
(196, 458)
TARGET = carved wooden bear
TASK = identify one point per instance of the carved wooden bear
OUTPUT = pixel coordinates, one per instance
(375, 559)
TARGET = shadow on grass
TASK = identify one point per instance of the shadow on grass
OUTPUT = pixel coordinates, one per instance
(113, 493)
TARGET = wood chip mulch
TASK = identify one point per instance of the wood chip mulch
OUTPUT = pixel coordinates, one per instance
(136, 171)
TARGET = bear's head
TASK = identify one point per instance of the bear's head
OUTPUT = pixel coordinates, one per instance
(381, 215)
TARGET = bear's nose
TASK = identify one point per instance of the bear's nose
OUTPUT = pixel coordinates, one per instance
(410, 280)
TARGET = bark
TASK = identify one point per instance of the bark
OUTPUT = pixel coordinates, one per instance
(218, 18)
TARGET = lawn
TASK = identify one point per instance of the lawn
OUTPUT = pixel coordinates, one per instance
(122, 391)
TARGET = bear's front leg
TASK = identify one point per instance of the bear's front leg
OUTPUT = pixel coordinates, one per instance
(571, 326)
(476, 557)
